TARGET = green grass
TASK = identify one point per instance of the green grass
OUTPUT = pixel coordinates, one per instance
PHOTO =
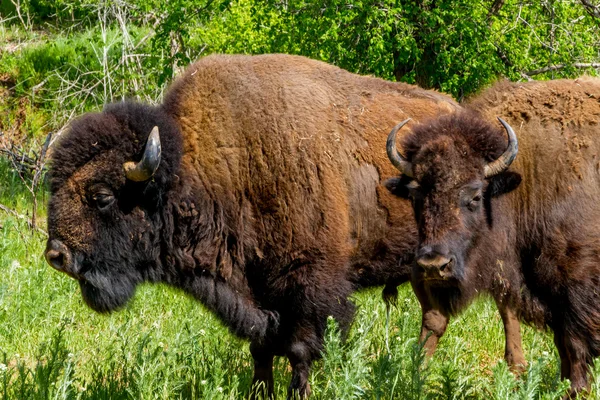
(164, 345)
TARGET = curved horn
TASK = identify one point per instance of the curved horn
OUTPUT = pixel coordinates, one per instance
(504, 161)
(405, 167)
(146, 167)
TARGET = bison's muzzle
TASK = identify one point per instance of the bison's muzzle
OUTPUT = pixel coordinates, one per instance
(435, 263)
(59, 257)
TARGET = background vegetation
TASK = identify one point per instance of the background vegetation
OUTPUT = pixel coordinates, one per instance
(61, 58)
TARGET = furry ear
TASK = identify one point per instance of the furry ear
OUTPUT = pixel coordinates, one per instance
(397, 186)
(502, 183)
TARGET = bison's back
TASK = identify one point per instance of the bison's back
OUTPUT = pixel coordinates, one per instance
(556, 206)
(558, 127)
(301, 143)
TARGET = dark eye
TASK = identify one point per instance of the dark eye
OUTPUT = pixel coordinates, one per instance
(414, 190)
(103, 199)
(474, 203)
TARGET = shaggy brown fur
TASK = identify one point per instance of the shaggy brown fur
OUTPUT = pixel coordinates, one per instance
(537, 248)
(266, 205)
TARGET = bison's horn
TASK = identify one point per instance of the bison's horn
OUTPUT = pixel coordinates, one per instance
(392, 151)
(504, 161)
(146, 167)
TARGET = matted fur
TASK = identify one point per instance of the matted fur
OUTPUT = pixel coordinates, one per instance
(266, 205)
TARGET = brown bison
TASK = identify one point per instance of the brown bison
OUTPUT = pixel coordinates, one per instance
(535, 245)
(255, 187)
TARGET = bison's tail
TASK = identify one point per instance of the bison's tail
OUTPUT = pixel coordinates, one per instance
(240, 314)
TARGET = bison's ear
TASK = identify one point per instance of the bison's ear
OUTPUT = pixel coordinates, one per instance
(397, 186)
(502, 183)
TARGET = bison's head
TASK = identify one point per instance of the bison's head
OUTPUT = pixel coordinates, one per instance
(453, 167)
(108, 181)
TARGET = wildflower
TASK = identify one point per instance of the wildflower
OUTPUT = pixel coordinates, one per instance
(2, 367)
(220, 389)
(202, 332)
(203, 382)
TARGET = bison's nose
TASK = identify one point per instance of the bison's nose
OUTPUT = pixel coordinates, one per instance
(434, 263)
(58, 255)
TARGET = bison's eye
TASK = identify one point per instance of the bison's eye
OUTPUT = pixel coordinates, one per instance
(102, 197)
(414, 190)
(103, 200)
(475, 202)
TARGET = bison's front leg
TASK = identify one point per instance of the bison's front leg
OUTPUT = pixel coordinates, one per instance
(301, 360)
(433, 322)
(262, 383)
(513, 350)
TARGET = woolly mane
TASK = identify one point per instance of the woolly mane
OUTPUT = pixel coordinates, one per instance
(485, 140)
(123, 127)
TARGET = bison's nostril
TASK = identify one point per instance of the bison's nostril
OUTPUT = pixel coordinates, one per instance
(443, 267)
(58, 255)
(56, 259)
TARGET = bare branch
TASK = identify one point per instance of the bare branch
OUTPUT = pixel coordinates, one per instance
(525, 76)
(592, 9)
(26, 22)
(496, 6)
(561, 66)
(22, 217)
(29, 167)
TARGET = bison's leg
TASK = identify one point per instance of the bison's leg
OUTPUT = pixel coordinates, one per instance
(262, 383)
(301, 359)
(513, 350)
(312, 292)
(307, 340)
(574, 359)
(565, 364)
(433, 322)
(433, 326)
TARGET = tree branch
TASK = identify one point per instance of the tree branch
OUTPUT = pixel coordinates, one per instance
(496, 6)
(561, 66)
(23, 217)
(592, 9)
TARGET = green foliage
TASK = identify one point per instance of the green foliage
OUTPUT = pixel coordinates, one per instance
(454, 46)
(507, 386)
(59, 10)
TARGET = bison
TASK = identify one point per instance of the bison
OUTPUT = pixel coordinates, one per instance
(528, 235)
(254, 187)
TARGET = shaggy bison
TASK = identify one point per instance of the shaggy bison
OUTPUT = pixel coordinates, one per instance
(254, 187)
(535, 245)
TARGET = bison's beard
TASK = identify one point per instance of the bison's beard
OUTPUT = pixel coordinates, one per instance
(450, 299)
(104, 295)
